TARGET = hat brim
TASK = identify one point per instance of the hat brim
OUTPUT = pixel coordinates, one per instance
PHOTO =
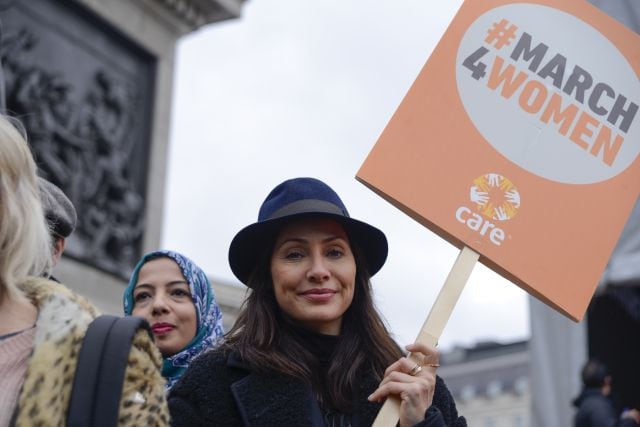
(251, 242)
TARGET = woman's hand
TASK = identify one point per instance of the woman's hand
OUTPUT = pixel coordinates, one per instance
(413, 380)
(631, 413)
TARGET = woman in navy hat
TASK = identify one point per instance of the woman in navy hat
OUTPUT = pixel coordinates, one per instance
(309, 347)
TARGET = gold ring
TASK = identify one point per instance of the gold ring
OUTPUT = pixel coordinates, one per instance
(415, 370)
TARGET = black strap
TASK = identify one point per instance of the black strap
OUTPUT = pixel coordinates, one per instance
(83, 393)
(99, 377)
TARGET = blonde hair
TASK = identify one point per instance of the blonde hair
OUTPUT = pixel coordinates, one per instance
(25, 243)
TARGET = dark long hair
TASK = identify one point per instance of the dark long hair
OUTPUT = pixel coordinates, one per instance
(267, 341)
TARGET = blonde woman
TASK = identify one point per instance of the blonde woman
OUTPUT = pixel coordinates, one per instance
(42, 323)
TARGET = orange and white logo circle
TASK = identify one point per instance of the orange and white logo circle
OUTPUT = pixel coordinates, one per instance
(495, 197)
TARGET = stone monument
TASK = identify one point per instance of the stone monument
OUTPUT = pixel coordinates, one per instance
(91, 81)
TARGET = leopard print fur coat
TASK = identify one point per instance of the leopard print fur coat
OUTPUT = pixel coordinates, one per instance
(63, 318)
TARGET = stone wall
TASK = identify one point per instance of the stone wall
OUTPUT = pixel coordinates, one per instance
(92, 81)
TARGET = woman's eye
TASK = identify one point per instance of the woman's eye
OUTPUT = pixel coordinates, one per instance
(141, 296)
(294, 255)
(180, 293)
(335, 253)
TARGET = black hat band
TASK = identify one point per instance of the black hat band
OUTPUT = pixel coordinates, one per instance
(308, 206)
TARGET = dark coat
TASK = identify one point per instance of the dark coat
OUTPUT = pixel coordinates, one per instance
(219, 389)
(596, 410)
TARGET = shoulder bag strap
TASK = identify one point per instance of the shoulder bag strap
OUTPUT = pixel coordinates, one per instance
(114, 364)
(80, 412)
(103, 358)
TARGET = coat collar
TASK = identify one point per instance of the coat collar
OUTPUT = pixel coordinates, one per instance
(60, 311)
(271, 399)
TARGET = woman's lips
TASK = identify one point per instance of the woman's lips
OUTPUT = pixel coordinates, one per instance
(319, 295)
(162, 328)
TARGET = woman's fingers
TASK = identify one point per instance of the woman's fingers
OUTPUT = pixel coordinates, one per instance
(413, 380)
(397, 382)
(404, 364)
(421, 355)
(414, 391)
(425, 354)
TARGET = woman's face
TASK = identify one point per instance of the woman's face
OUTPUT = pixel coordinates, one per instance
(162, 296)
(314, 272)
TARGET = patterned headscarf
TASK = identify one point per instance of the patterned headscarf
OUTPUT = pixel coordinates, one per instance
(209, 317)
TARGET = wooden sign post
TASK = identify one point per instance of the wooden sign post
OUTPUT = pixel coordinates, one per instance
(519, 142)
(436, 320)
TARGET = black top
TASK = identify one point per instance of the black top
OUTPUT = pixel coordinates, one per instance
(322, 347)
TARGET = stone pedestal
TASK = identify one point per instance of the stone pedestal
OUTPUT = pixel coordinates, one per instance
(92, 80)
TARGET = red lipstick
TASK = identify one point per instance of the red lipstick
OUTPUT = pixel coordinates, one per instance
(162, 328)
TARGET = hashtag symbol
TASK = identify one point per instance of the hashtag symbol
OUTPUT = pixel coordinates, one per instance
(501, 34)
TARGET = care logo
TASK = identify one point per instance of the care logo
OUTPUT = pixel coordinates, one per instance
(550, 92)
(495, 199)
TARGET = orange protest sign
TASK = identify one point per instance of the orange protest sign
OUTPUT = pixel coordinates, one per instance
(520, 139)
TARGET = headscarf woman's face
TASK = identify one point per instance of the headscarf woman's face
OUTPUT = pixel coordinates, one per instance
(313, 271)
(162, 296)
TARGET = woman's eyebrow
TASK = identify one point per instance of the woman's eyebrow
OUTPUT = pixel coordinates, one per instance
(332, 238)
(293, 240)
(171, 283)
(177, 282)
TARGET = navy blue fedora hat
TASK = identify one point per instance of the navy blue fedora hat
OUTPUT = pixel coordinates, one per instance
(293, 199)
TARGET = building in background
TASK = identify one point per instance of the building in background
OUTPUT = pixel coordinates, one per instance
(559, 347)
(490, 383)
(230, 297)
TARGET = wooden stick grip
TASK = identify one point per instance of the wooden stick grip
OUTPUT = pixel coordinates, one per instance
(434, 324)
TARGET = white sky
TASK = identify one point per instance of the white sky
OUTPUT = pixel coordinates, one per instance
(304, 88)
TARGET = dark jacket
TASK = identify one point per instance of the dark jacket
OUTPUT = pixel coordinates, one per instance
(218, 389)
(596, 410)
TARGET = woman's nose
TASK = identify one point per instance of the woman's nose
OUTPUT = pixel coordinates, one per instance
(160, 305)
(318, 270)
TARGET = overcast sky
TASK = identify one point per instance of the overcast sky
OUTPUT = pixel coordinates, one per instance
(304, 88)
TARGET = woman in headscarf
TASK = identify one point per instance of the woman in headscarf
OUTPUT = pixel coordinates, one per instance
(175, 296)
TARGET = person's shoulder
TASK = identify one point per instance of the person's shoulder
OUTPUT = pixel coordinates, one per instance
(143, 391)
(442, 389)
(204, 392)
(210, 374)
(444, 401)
(215, 357)
(63, 315)
(592, 399)
(214, 362)
(43, 293)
